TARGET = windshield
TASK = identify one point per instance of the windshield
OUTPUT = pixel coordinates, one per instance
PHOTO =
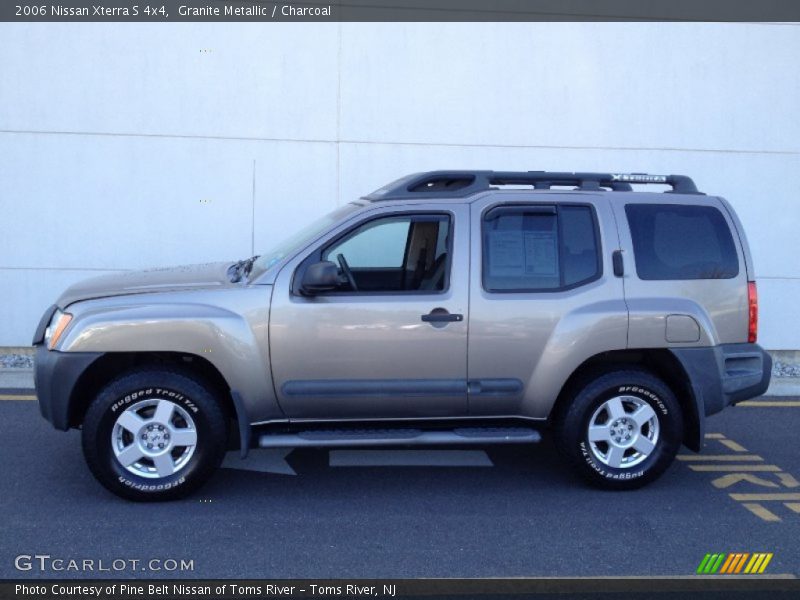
(299, 239)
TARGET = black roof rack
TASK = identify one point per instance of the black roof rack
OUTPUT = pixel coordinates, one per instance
(459, 184)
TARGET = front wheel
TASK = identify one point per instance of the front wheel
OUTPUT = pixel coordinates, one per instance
(622, 429)
(154, 434)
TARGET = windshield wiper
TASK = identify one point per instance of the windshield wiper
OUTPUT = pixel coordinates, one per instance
(241, 269)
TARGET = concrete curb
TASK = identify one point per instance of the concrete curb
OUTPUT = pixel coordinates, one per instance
(16, 378)
(784, 386)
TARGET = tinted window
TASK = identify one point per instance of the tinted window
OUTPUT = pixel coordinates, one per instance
(539, 248)
(673, 241)
(580, 255)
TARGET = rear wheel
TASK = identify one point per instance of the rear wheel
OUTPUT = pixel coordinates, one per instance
(154, 434)
(621, 429)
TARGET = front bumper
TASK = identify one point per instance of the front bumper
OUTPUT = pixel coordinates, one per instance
(55, 376)
(726, 374)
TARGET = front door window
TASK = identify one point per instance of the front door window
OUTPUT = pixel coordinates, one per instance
(400, 254)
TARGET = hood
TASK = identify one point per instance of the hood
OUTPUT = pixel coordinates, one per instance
(203, 276)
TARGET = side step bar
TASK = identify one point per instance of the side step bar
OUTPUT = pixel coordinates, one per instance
(399, 437)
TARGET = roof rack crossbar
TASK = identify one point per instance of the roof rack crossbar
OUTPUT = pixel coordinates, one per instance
(459, 184)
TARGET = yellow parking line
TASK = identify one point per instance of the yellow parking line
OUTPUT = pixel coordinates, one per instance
(761, 512)
(771, 403)
(720, 457)
(734, 472)
(733, 445)
(788, 480)
(15, 397)
(766, 497)
(735, 468)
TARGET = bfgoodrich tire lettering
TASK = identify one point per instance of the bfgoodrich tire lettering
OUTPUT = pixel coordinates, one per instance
(196, 413)
(622, 429)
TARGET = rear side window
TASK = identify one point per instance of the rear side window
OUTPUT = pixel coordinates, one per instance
(539, 248)
(681, 242)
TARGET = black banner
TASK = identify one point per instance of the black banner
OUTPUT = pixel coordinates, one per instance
(398, 10)
(633, 587)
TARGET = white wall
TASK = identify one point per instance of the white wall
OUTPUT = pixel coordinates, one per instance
(127, 146)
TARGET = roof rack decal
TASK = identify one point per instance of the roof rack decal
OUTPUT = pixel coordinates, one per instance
(639, 178)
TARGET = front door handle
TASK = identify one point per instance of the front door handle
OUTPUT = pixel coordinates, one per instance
(440, 315)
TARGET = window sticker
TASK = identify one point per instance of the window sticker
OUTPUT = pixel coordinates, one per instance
(541, 253)
(506, 254)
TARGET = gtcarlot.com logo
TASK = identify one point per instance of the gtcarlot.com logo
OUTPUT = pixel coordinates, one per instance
(48, 563)
(733, 563)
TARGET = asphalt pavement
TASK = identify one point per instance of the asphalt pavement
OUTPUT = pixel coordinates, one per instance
(473, 512)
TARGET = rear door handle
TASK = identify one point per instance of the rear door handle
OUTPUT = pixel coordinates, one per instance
(619, 266)
(440, 315)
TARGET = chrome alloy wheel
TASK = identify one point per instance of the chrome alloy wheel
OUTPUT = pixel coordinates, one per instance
(154, 438)
(623, 432)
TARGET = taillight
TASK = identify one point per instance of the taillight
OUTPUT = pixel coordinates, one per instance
(752, 303)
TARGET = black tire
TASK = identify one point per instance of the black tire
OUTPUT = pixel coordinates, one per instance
(572, 428)
(195, 398)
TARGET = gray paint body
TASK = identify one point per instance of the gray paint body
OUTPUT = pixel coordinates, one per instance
(510, 356)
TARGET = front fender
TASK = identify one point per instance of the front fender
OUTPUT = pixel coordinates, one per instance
(234, 342)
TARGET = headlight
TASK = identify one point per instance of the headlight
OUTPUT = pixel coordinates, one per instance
(57, 326)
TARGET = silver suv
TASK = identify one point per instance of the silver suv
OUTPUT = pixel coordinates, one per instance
(450, 307)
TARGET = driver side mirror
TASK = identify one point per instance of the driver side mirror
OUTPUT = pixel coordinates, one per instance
(320, 277)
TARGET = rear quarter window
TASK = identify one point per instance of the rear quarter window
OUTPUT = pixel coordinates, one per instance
(674, 242)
